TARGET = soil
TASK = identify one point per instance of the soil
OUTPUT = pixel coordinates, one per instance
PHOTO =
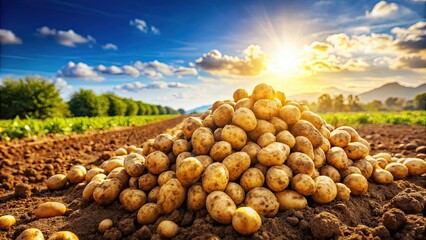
(395, 211)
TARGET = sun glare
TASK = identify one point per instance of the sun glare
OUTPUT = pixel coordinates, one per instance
(284, 62)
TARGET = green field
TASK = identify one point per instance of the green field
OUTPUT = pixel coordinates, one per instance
(22, 128)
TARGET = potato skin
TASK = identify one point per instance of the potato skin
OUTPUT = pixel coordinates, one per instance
(343, 192)
(252, 178)
(215, 177)
(171, 196)
(163, 142)
(313, 118)
(93, 172)
(339, 138)
(289, 199)
(382, 176)
(132, 199)
(263, 201)
(303, 145)
(205, 160)
(246, 221)
(202, 141)
(235, 192)
(290, 114)
(356, 150)
(240, 93)
(134, 164)
(244, 118)
(326, 190)
(148, 214)
(7, 221)
(287, 138)
(265, 109)
(31, 234)
(354, 134)
(365, 167)
(277, 179)
(319, 158)
(300, 163)
(105, 225)
(331, 172)
(76, 175)
(244, 102)
(236, 136)
(63, 235)
(147, 182)
(107, 191)
(279, 124)
(120, 174)
(165, 177)
(306, 129)
(190, 125)
(56, 182)
(189, 171)
(220, 207)
(167, 229)
(262, 127)
(88, 190)
(223, 115)
(251, 149)
(263, 91)
(356, 183)
(416, 166)
(50, 209)
(220, 150)
(236, 164)
(180, 146)
(112, 164)
(303, 184)
(157, 162)
(337, 158)
(153, 194)
(266, 139)
(274, 154)
(196, 197)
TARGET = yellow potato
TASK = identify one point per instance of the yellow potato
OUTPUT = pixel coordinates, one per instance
(88, 190)
(223, 115)
(171, 196)
(132, 199)
(365, 142)
(398, 170)
(303, 184)
(220, 150)
(382, 176)
(289, 199)
(365, 167)
(121, 152)
(93, 172)
(235, 192)
(251, 149)
(326, 190)
(153, 194)
(157, 162)
(148, 214)
(386, 156)
(107, 191)
(331, 172)
(105, 225)
(147, 182)
(319, 158)
(180, 146)
(147, 146)
(77, 174)
(315, 174)
(278, 103)
(290, 114)
(121, 175)
(263, 91)
(262, 168)
(246, 221)
(266, 139)
(325, 132)
(182, 156)
(277, 179)
(236, 164)
(245, 119)
(252, 178)
(56, 182)
(167, 229)
(131, 149)
(165, 177)
(313, 118)
(98, 177)
(337, 158)
(280, 96)
(205, 114)
(300, 163)
(189, 171)
(308, 130)
(382, 162)
(31, 234)
(263, 201)
(265, 109)
(356, 150)
(351, 131)
(196, 197)
(220, 207)
(350, 170)
(356, 183)
(163, 142)
(134, 164)
(262, 127)
(111, 164)
(273, 155)
(244, 102)
(287, 138)
(339, 138)
(8, 221)
(202, 141)
(50, 209)
(303, 145)
(205, 160)
(61, 235)
(416, 166)
(217, 134)
(343, 192)
(190, 125)
(209, 122)
(236, 136)
(215, 177)
(240, 93)
(216, 105)
(325, 145)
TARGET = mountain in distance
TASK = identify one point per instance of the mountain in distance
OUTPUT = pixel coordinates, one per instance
(313, 96)
(393, 89)
(200, 109)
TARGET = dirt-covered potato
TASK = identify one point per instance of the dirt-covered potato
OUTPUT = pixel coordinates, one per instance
(157, 162)
(218, 134)
(326, 190)
(171, 196)
(339, 138)
(93, 172)
(107, 191)
(190, 125)
(196, 197)
(252, 178)
(287, 138)
(300, 163)
(277, 179)
(398, 170)
(180, 146)
(235, 192)
(147, 146)
(105, 225)
(131, 149)
(319, 157)
(163, 142)
(223, 115)
(382, 176)
(251, 149)
(202, 141)
(356, 150)
(134, 164)
(98, 177)
(189, 171)
(365, 142)
(215, 177)
(111, 164)
(8, 221)
(153, 194)
(183, 155)
(303, 145)
(132, 199)
(263, 91)
(245, 119)
(313, 118)
(365, 167)
(290, 114)
(234, 135)
(382, 162)
(246, 221)
(56, 182)
(308, 130)
(209, 122)
(205, 114)
(325, 132)
(331, 172)
(148, 214)
(356, 183)
(244, 102)
(120, 152)
(289, 199)
(279, 124)
(266, 139)
(265, 109)
(280, 96)
(303, 184)
(50, 209)
(205, 160)
(216, 105)
(262, 127)
(416, 166)
(77, 174)
(343, 192)
(351, 131)
(274, 154)
(350, 170)
(325, 145)
(262, 168)
(88, 190)
(263, 201)
(147, 182)
(165, 177)
(240, 93)
(63, 235)
(120, 174)
(220, 150)
(337, 158)
(384, 155)
(236, 164)
(220, 207)
(31, 234)
(167, 229)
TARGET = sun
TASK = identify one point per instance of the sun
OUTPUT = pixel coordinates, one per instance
(284, 62)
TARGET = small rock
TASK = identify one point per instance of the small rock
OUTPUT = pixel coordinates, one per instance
(23, 191)
(381, 146)
(410, 146)
(421, 149)
(293, 221)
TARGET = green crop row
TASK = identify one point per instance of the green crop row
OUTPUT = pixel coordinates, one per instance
(23, 128)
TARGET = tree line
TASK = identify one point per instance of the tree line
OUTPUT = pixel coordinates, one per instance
(38, 98)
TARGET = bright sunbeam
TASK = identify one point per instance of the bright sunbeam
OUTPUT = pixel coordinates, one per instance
(285, 61)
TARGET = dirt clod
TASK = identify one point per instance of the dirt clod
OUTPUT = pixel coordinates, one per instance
(325, 225)
(394, 219)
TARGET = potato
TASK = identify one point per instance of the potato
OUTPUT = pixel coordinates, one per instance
(382, 176)
(343, 192)
(223, 115)
(303, 184)
(217, 134)
(398, 170)
(153, 194)
(278, 103)
(265, 109)
(236, 136)
(132, 199)
(287, 170)
(244, 102)
(262, 168)
(93, 172)
(364, 142)
(77, 174)
(263, 91)
(171, 196)
(190, 125)
(157, 162)
(386, 156)
(147, 146)
(216, 105)
(189, 171)
(183, 155)
(289, 199)
(235, 192)
(202, 141)
(31, 234)
(274, 154)
(63, 235)
(209, 122)
(356, 150)
(326, 190)
(240, 93)
(266, 139)
(245, 119)
(280, 96)
(337, 158)
(351, 131)
(180, 146)
(98, 177)
(356, 183)
(313, 118)
(220, 150)
(325, 145)
(215, 177)
(319, 158)
(279, 124)
(306, 129)
(131, 149)
(325, 132)
(205, 160)
(167, 229)
(416, 166)
(148, 214)
(277, 179)
(165, 177)
(315, 174)
(205, 114)
(246, 221)
(287, 138)
(373, 162)
(107, 191)
(105, 225)
(300, 163)
(331, 172)
(382, 162)
(220, 207)
(290, 114)
(111, 164)
(251, 149)
(303, 145)
(339, 138)
(120, 174)
(8, 221)
(196, 197)
(56, 182)
(262, 127)
(236, 164)
(263, 201)
(147, 182)
(121, 152)
(365, 167)
(252, 178)
(88, 190)
(50, 209)
(134, 164)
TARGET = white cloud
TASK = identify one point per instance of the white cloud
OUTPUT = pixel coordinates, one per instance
(156, 69)
(8, 37)
(109, 46)
(80, 70)
(138, 86)
(61, 83)
(155, 30)
(130, 70)
(114, 70)
(181, 95)
(383, 9)
(142, 26)
(185, 71)
(206, 79)
(67, 38)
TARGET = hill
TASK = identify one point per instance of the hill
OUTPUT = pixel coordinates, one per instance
(199, 109)
(392, 90)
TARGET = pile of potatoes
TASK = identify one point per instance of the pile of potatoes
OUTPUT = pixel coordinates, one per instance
(256, 155)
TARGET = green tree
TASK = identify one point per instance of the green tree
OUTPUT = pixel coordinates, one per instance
(353, 103)
(132, 107)
(86, 103)
(325, 103)
(141, 108)
(154, 110)
(420, 101)
(181, 111)
(33, 97)
(117, 107)
(161, 110)
(339, 103)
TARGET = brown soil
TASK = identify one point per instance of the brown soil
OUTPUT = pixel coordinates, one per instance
(394, 211)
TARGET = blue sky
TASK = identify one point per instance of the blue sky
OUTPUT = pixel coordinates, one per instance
(190, 53)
